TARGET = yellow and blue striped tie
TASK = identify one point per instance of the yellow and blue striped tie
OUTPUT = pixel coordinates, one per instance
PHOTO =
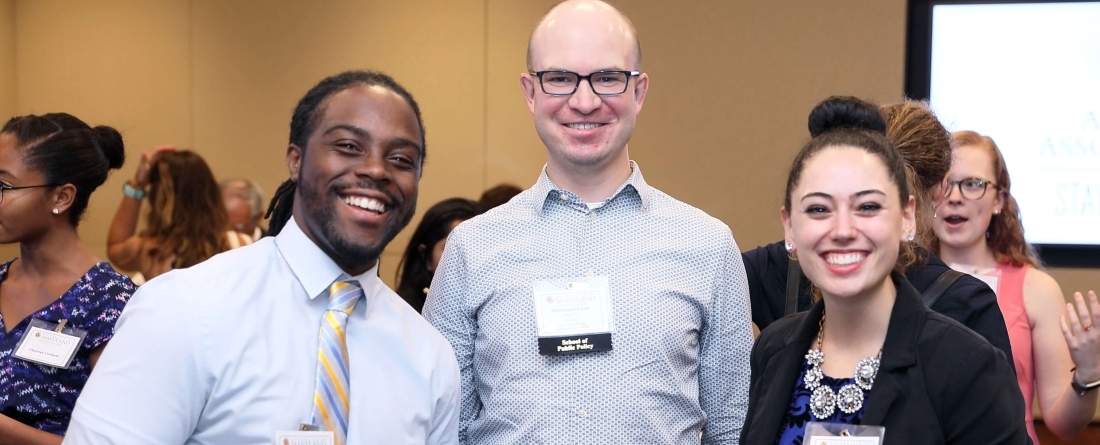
(330, 399)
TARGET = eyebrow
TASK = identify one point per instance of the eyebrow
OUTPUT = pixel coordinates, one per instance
(593, 71)
(858, 194)
(351, 128)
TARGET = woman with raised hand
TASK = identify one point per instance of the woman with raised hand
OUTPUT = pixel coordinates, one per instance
(187, 222)
(57, 288)
(979, 232)
(869, 353)
(925, 146)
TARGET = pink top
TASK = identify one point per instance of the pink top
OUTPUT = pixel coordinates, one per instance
(1010, 297)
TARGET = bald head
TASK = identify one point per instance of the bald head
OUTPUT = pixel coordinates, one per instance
(568, 17)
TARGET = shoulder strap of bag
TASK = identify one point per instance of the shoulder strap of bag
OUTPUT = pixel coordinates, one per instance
(940, 286)
(794, 278)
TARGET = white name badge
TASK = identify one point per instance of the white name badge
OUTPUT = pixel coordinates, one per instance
(576, 306)
(820, 433)
(573, 316)
(50, 344)
(305, 438)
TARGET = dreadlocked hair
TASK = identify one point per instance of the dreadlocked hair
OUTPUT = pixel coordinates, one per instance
(279, 210)
(308, 114)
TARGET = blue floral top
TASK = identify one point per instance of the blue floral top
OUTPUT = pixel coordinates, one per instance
(42, 396)
(793, 428)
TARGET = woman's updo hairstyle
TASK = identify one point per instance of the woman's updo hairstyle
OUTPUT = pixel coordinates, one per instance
(68, 151)
(845, 121)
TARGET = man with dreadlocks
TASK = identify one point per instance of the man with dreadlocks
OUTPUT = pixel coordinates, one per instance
(294, 336)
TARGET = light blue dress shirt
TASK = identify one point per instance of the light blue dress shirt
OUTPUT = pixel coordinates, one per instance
(680, 304)
(226, 353)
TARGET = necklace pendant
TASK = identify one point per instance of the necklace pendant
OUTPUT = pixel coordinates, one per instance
(813, 378)
(849, 399)
(866, 371)
(823, 402)
(815, 357)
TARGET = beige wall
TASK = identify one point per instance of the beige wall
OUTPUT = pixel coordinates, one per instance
(731, 84)
(7, 82)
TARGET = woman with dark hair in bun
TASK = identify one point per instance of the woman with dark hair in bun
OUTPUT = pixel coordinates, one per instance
(869, 353)
(57, 292)
(925, 146)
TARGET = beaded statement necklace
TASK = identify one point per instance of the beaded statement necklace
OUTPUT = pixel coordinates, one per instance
(824, 402)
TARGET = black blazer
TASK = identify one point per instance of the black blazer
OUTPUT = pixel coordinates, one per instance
(938, 382)
(968, 301)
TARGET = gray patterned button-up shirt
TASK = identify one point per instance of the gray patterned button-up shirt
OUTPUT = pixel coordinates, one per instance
(680, 303)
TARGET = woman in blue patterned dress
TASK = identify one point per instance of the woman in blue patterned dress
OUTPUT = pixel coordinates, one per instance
(49, 166)
(869, 353)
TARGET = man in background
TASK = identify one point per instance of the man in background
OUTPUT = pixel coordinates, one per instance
(244, 201)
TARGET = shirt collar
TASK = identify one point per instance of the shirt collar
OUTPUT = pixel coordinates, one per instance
(312, 266)
(545, 189)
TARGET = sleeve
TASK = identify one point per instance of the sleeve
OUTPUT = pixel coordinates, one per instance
(446, 415)
(445, 309)
(981, 400)
(986, 319)
(149, 386)
(725, 347)
(757, 273)
(106, 298)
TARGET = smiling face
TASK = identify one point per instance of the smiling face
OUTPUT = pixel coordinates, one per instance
(584, 130)
(960, 222)
(358, 177)
(846, 221)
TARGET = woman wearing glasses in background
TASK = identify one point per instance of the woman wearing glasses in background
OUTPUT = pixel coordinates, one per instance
(49, 166)
(979, 232)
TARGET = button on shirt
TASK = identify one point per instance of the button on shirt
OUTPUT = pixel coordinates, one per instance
(680, 358)
(226, 353)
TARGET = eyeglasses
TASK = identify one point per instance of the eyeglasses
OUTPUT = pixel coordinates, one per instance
(603, 83)
(969, 188)
(5, 187)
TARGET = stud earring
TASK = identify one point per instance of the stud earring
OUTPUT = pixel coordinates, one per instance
(790, 247)
(996, 212)
(911, 236)
(55, 211)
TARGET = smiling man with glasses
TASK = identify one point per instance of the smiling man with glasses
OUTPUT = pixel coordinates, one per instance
(593, 308)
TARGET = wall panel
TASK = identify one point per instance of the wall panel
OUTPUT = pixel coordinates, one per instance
(122, 63)
(7, 83)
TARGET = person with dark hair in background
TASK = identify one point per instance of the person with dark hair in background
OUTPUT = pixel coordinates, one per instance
(980, 232)
(57, 289)
(418, 264)
(244, 201)
(497, 195)
(294, 335)
(925, 146)
(186, 224)
(869, 353)
(593, 307)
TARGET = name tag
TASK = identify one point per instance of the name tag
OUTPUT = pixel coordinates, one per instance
(820, 433)
(305, 438)
(50, 344)
(573, 316)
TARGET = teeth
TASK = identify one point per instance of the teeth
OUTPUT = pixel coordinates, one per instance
(843, 259)
(366, 203)
(583, 126)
